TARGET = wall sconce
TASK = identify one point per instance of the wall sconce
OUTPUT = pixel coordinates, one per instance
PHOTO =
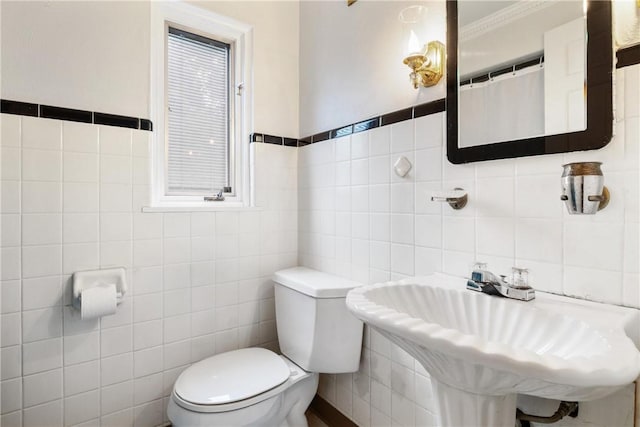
(426, 61)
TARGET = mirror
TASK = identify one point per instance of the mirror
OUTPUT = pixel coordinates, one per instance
(527, 78)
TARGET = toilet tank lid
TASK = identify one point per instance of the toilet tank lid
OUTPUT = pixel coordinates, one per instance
(314, 283)
(231, 376)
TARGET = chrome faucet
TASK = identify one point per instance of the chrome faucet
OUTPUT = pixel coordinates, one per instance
(486, 282)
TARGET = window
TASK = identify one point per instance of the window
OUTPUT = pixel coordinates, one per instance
(200, 68)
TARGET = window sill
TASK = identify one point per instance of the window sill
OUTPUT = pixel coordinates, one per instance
(221, 207)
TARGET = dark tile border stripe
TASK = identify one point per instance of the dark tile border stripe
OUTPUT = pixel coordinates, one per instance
(273, 139)
(628, 56)
(69, 114)
(433, 107)
(49, 112)
(396, 116)
(21, 108)
(330, 415)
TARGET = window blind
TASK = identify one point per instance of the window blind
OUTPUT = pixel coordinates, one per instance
(198, 114)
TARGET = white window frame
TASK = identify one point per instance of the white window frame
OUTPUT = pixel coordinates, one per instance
(239, 35)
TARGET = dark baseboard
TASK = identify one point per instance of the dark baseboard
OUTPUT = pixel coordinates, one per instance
(330, 415)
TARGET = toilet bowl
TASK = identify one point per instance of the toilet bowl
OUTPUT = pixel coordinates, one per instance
(257, 387)
(247, 387)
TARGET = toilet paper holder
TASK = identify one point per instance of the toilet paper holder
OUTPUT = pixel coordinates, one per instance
(83, 280)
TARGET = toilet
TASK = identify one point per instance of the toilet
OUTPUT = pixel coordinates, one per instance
(257, 387)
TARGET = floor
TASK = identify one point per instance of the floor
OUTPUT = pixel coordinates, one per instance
(314, 421)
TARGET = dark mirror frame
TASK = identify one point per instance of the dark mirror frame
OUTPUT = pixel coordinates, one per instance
(599, 97)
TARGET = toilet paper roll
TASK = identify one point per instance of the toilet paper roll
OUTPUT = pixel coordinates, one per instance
(98, 301)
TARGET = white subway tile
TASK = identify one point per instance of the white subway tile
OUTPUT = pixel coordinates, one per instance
(116, 254)
(149, 414)
(116, 397)
(430, 131)
(10, 127)
(176, 225)
(360, 145)
(147, 389)
(44, 134)
(11, 328)
(402, 198)
(115, 197)
(539, 240)
(147, 334)
(496, 236)
(141, 143)
(116, 169)
(41, 165)
(10, 232)
(80, 228)
(147, 253)
(342, 148)
(116, 369)
(41, 388)
(48, 414)
(116, 341)
(41, 229)
(10, 196)
(79, 137)
(427, 261)
(80, 257)
(81, 378)
(175, 354)
(177, 250)
(42, 292)
(402, 228)
(81, 348)
(11, 393)
(11, 362)
(40, 261)
(41, 324)
(10, 298)
(402, 259)
(115, 226)
(41, 197)
(80, 167)
(428, 164)
(587, 283)
(204, 223)
(41, 356)
(74, 324)
(147, 307)
(81, 407)
(402, 136)
(177, 328)
(10, 163)
(594, 245)
(10, 258)
(115, 140)
(80, 197)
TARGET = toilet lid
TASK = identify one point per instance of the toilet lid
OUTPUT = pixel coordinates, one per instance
(232, 376)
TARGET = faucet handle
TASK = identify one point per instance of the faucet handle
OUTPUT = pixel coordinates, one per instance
(519, 278)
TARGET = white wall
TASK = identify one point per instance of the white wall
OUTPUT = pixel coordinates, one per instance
(357, 219)
(95, 56)
(351, 62)
(199, 282)
(85, 55)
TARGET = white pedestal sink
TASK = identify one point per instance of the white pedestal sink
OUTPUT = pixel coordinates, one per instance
(481, 351)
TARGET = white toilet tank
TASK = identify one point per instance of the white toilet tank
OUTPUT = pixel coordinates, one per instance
(315, 329)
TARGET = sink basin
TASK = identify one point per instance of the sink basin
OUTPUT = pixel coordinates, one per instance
(481, 351)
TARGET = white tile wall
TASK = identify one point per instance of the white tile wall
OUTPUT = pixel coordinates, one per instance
(514, 217)
(199, 281)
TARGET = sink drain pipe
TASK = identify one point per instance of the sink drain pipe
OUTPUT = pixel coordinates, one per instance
(565, 408)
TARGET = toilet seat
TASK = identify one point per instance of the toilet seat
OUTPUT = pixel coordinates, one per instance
(234, 380)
